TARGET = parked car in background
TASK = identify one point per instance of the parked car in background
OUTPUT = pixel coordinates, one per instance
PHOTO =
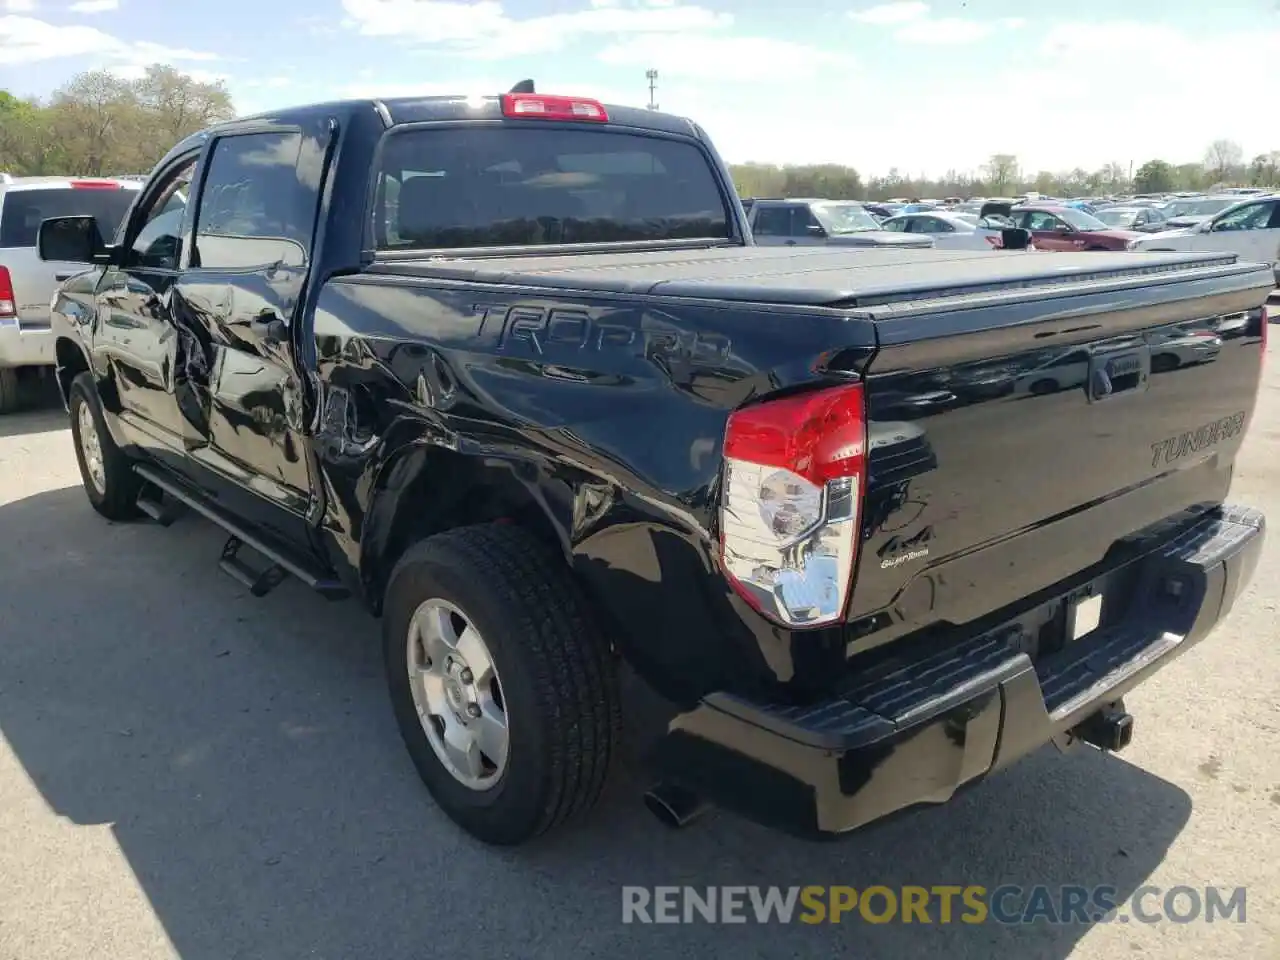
(808, 222)
(26, 282)
(1065, 228)
(883, 211)
(950, 231)
(1249, 228)
(1141, 219)
(1182, 212)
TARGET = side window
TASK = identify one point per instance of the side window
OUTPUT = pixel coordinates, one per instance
(158, 245)
(934, 225)
(253, 209)
(1038, 220)
(896, 224)
(772, 222)
(1274, 222)
(1253, 216)
(803, 223)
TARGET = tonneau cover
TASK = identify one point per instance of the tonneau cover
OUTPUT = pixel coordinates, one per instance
(815, 276)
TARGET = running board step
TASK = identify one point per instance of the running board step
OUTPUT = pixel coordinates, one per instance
(282, 558)
(152, 502)
(259, 582)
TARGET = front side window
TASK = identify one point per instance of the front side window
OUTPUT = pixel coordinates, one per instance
(515, 186)
(158, 244)
(1039, 220)
(1252, 216)
(253, 209)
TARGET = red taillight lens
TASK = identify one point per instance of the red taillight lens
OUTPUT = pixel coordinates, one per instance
(95, 185)
(795, 474)
(539, 106)
(8, 301)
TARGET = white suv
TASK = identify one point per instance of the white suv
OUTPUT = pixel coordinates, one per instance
(26, 282)
(1250, 228)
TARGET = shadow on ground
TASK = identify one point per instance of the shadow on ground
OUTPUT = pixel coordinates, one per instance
(40, 412)
(244, 753)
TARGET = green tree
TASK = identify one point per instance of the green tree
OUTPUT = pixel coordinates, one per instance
(1002, 174)
(1155, 176)
(1222, 160)
(99, 124)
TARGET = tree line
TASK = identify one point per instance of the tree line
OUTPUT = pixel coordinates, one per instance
(101, 124)
(1002, 175)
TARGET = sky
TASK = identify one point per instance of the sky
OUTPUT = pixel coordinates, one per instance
(924, 87)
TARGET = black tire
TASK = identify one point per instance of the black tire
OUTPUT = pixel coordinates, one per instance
(118, 500)
(10, 390)
(556, 669)
(1043, 388)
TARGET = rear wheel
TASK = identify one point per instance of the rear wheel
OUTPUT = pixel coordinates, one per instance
(501, 681)
(109, 481)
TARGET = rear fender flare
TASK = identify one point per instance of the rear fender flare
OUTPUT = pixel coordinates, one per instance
(421, 488)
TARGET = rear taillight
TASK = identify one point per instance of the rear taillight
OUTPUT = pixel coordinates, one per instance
(540, 106)
(8, 302)
(795, 473)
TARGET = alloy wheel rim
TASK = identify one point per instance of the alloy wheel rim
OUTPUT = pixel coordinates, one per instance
(457, 694)
(91, 449)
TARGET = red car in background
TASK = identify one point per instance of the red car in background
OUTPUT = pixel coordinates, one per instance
(1066, 228)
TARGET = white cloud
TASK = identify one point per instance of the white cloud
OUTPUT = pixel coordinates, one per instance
(136, 71)
(27, 40)
(94, 6)
(945, 30)
(912, 23)
(887, 14)
(485, 30)
(724, 58)
(18, 6)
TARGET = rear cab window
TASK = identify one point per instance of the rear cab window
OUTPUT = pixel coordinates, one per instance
(23, 210)
(464, 187)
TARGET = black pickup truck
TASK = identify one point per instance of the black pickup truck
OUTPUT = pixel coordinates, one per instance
(511, 371)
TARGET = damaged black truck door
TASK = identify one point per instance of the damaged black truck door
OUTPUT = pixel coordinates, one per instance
(138, 337)
(240, 293)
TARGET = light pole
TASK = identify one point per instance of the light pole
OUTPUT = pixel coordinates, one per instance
(652, 76)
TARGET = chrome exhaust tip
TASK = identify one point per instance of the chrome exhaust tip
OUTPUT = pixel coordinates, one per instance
(674, 806)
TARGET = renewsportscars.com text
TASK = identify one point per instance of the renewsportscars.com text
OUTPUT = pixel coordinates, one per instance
(940, 904)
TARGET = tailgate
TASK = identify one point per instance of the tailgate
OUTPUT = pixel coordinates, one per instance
(1015, 440)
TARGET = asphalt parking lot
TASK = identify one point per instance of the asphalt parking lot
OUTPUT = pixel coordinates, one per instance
(188, 772)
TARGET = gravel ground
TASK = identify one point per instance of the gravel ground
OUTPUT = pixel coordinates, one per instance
(187, 772)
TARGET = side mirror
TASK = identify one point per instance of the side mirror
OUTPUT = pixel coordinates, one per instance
(816, 231)
(72, 240)
(1065, 228)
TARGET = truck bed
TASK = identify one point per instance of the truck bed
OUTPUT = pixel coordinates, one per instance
(811, 276)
